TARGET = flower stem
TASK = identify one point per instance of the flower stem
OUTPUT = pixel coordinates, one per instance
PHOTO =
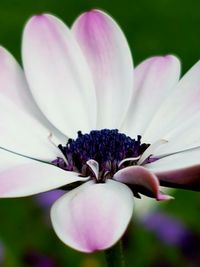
(114, 256)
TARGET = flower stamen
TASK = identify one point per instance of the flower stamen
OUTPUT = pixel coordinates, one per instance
(134, 159)
(149, 151)
(62, 156)
(100, 153)
(94, 166)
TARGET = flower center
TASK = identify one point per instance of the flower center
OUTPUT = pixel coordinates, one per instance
(109, 148)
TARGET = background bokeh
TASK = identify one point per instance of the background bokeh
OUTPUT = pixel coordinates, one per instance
(170, 235)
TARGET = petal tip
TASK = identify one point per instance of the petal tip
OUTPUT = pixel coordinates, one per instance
(89, 207)
(38, 19)
(163, 197)
(93, 16)
(93, 12)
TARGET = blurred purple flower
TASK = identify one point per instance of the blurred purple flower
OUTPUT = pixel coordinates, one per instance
(36, 259)
(46, 199)
(173, 232)
(167, 228)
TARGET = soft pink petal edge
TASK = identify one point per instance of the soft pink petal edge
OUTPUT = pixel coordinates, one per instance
(93, 216)
(141, 177)
(25, 177)
(55, 66)
(109, 57)
(181, 170)
(155, 79)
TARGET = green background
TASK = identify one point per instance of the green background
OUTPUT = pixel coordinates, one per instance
(151, 27)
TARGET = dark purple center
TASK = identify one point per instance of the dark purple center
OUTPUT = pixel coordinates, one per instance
(107, 147)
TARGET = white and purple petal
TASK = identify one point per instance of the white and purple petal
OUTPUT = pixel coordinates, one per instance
(142, 180)
(181, 170)
(21, 176)
(155, 79)
(58, 75)
(108, 55)
(93, 216)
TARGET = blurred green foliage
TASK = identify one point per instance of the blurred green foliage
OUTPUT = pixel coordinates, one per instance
(152, 27)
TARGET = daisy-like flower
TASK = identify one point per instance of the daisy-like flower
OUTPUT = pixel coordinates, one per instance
(91, 129)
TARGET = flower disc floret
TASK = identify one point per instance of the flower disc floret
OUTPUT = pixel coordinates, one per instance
(107, 147)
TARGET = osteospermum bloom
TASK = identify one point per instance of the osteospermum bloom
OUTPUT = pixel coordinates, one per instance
(76, 119)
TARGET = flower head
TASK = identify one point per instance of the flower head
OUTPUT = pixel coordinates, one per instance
(76, 120)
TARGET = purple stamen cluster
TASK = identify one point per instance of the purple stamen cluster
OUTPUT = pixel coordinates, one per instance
(107, 147)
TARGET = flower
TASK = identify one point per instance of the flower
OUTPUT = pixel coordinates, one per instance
(167, 228)
(35, 258)
(91, 130)
(173, 232)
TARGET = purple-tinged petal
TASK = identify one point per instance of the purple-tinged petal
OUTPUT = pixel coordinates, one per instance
(142, 180)
(93, 216)
(186, 178)
(155, 78)
(58, 75)
(178, 108)
(106, 50)
(180, 170)
(30, 177)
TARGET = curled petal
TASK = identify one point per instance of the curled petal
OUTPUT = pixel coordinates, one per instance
(93, 216)
(142, 180)
(180, 170)
(25, 177)
(186, 178)
(107, 52)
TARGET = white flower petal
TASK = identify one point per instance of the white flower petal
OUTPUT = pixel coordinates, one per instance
(109, 58)
(185, 136)
(25, 177)
(58, 75)
(93, 216)
(178, 107)
(12, 81)
(14, 86)
(154, 80)
(176, 161)
(23, 134)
